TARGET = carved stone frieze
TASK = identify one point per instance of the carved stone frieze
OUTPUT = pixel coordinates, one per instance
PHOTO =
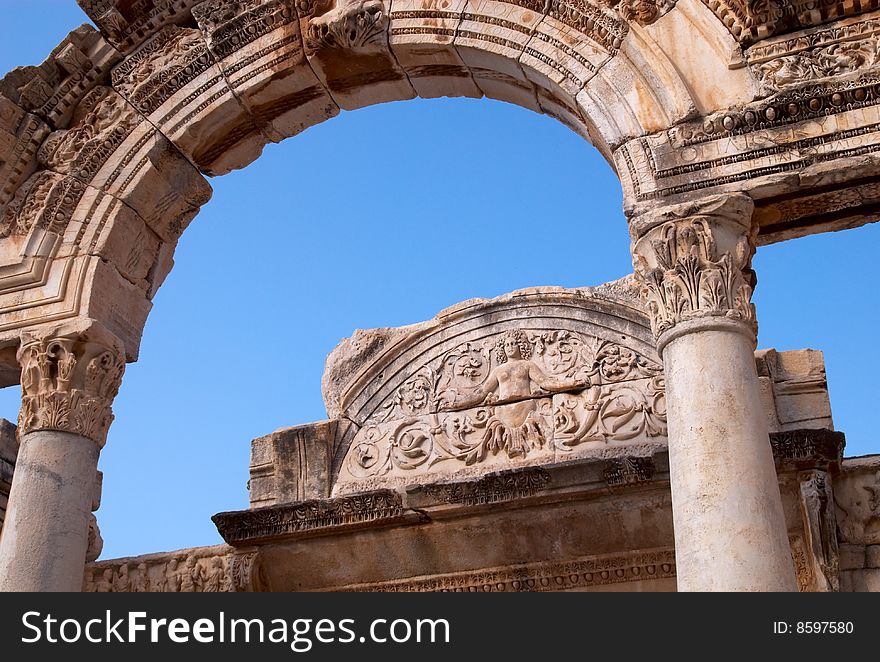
(694, 262)
(199, 571)
(309, 516)
(629, 470)
(105, 121)
(494, 488)
(230, 25)
(857, 499)
(46, 201)
(803, 449)
(821, 62)
(580, 574)
(68, 382)
(515, 395)
(126, 24)
(643, 12)
(162, 66)
(750, 20)
(798, 131)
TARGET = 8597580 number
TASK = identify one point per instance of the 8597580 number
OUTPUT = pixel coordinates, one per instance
(823, 627)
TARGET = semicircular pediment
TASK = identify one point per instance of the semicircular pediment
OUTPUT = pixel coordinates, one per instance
(535, 377)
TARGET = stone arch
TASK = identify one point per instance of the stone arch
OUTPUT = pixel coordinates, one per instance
(112, 135)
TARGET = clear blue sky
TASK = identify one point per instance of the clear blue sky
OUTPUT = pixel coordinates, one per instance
(382, 217)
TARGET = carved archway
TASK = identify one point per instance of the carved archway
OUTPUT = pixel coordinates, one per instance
(729, 124)
(113, 133)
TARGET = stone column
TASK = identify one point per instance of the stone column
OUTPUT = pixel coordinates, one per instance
(69, 377)
(693, 262)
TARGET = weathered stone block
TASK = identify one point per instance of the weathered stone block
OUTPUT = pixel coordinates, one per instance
(421, 36)
(292, 464)
(258, 46)
(872, 556)
(173, 81)
(346, 42)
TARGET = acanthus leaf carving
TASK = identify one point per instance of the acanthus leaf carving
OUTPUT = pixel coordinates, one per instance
(694, 262)
(68, 384)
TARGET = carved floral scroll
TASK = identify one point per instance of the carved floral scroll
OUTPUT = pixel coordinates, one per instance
(523, 394)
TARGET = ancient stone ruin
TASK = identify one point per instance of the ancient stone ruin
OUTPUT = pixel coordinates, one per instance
(622, 437)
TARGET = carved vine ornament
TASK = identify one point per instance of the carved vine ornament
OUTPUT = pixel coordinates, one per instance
(519, 394)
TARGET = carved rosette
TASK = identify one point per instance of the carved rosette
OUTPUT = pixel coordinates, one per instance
(694, 263)
(68, 382)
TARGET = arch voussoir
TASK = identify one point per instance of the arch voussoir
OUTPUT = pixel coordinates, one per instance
(111, 147)
(258, 46)
(346, 44)
(173, 81)
(421, 38)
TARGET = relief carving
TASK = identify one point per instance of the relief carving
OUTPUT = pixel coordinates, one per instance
(546, 576)
(229, 25)
(179, 573)
(643, 12)
(695, 263)
(305, 516)
(822, 62)
(817, 510)
(857, 499)
(68, 384)
(84, 148)
(496, 488)
(162, 66)
(514, 395)
(348, 25)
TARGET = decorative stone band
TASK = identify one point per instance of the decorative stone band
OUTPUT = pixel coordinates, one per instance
(201, 570)
(575, 575)
(693, 262)
(808, 449)
(494, 488)
(69, 378)
(315, 516)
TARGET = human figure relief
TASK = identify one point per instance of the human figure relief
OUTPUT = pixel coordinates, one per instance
(142, 585)
(213, 577)
(105, 582)
(173, 577)
(190, 578)
(122, 580)
(516, 383)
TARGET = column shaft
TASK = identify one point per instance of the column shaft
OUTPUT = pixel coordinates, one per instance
(45, 535)
(694, 264)
(69, 377)
(730, 530)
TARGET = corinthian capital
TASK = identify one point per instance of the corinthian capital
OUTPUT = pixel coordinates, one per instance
(693, 261)
(69, 377)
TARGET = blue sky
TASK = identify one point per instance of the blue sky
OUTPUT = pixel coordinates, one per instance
(382, 217)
